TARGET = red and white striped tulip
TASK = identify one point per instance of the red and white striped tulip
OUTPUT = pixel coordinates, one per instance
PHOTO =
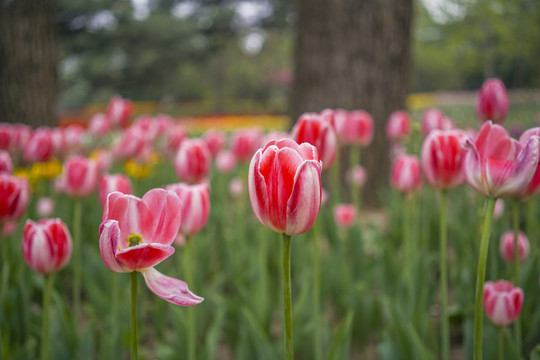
(345, 215)
(353, 127)
(492, 101)
(195, 206)
(225, 161)
(113, 182)
(398, 126)
(406, 176)
(46, 245)
(40, 146)
(99, 124)
(432, 119)
(136, 235)
(119, 111)
(14, 197)
(284, 183)
(215, 140)
(245, 142)
(192, 161)
(498, 166)
(506, 247)
(79, 176)
(312, 129)
(502, 302)
(534, 184)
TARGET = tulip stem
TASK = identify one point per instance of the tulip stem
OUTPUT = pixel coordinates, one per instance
(133, 335)
(501, 343)
(443, 263)
(480, 277)
(46, 316)
(287, 299)
(77, 261)
(336, 171)
(316, 293)
(190, 328)
(356, 190)
(515, 226)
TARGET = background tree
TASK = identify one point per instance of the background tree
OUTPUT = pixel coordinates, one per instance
(28, 58)
(354, 55)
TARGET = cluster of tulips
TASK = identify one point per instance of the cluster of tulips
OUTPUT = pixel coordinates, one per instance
(111, 156)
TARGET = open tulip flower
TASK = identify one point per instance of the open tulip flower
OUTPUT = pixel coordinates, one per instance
(285, 186)
(502, 302)
(498, 166)
(136, 235)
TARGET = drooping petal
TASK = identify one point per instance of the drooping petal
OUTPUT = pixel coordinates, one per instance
(305, 200)
(109, 236)
(144, 255)
(165, 208)
(170, 289)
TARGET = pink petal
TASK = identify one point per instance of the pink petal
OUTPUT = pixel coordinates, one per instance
(258, 192)
(170, 289)
(164, 208)
(144, 255)
(305, 201)
(473, 167)
(109, 235)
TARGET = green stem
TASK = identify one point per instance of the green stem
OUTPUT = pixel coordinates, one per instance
(287, 299)
(501, 343)
(133, 335)
(114, 315)
(46, 317)
(356, 190)
(336, 172)
(480, 277)
(443, 263)
(318, 348)
(190, 328)
(515, 275)
(409, 249)
(531, 217)
(77, 261)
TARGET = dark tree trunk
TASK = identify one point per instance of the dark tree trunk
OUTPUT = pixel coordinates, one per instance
(28, 62)
(355, 54)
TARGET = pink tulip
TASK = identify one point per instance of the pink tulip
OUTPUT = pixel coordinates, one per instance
(534, 184)
(119, 111)
(236, 187)
(245, 142)
(99, 124)
(406, 175)
(195, 206)
(443, 158)
(79, 176)
(432, 119)
(398, 126)
(136, 235)
(46, 245)
(73, 136)
(355, 127)
(103, 159)
(506, 247)
(499, 209)
(6, 165)
(502, 302)
(496, 165)
(45, 207)
(225, 161)
(312, 129)
(14, 196)
(215, 140)
(40, 147)
(192, 161)
(357, 176)
(132, 144)
(285, 186)
(345, 215)
(113, 182)
(492, 101)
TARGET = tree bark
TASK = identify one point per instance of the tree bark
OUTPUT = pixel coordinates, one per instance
(355, 54)
(28, 86)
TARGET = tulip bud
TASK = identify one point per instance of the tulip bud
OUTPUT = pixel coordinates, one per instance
(355, 127)
(312, 129)
(502, 302)
(215, 140)
(398, 126)
(357, 176)
(225, 161)
(45, 207)
(46, 245)
(79, 177)
(406, 175)
(492, 101)
(110, 183)
(6, 165)
(506, 247)
(345, 215)
(192, 161)
(14, 196)
(195, 200)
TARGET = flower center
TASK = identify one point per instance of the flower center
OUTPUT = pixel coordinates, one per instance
(134, 239)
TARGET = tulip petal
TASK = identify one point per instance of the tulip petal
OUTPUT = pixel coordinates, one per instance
(257, 191)
(165, 208)
(109, 235)
(170, 289)
(305, 200)
(473, 167)
(144, 255)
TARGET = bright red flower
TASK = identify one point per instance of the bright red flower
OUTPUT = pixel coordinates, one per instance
(492, 101)
(192, 161)
(312, 129)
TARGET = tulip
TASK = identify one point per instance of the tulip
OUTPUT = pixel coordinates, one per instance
(442, 158)
(99, 124)
(498, 210)
(225, 161)
(492, 101)
(496, 165)
(131, 144)
(244, 143)
(46, 245)
(119, 111)
(73, 137)
(406, 175)
(79, 177)
(506, 247)
(6, 165)
(40, 147)
(14, 196)
(357, 176)
(236, 187)
(355, 127)
(398, 126)
(345, 215)
(195, 206)
(113, 182)
(502, 302)
(45, 206)
(192, 161)
(432, 119)
(285, 186)
(215, 140)
(312, 129)
(534, 184)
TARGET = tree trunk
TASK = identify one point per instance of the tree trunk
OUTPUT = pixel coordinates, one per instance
(355, 54)
(28, 62)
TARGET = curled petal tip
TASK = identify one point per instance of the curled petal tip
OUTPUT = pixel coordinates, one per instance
(170, 289)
